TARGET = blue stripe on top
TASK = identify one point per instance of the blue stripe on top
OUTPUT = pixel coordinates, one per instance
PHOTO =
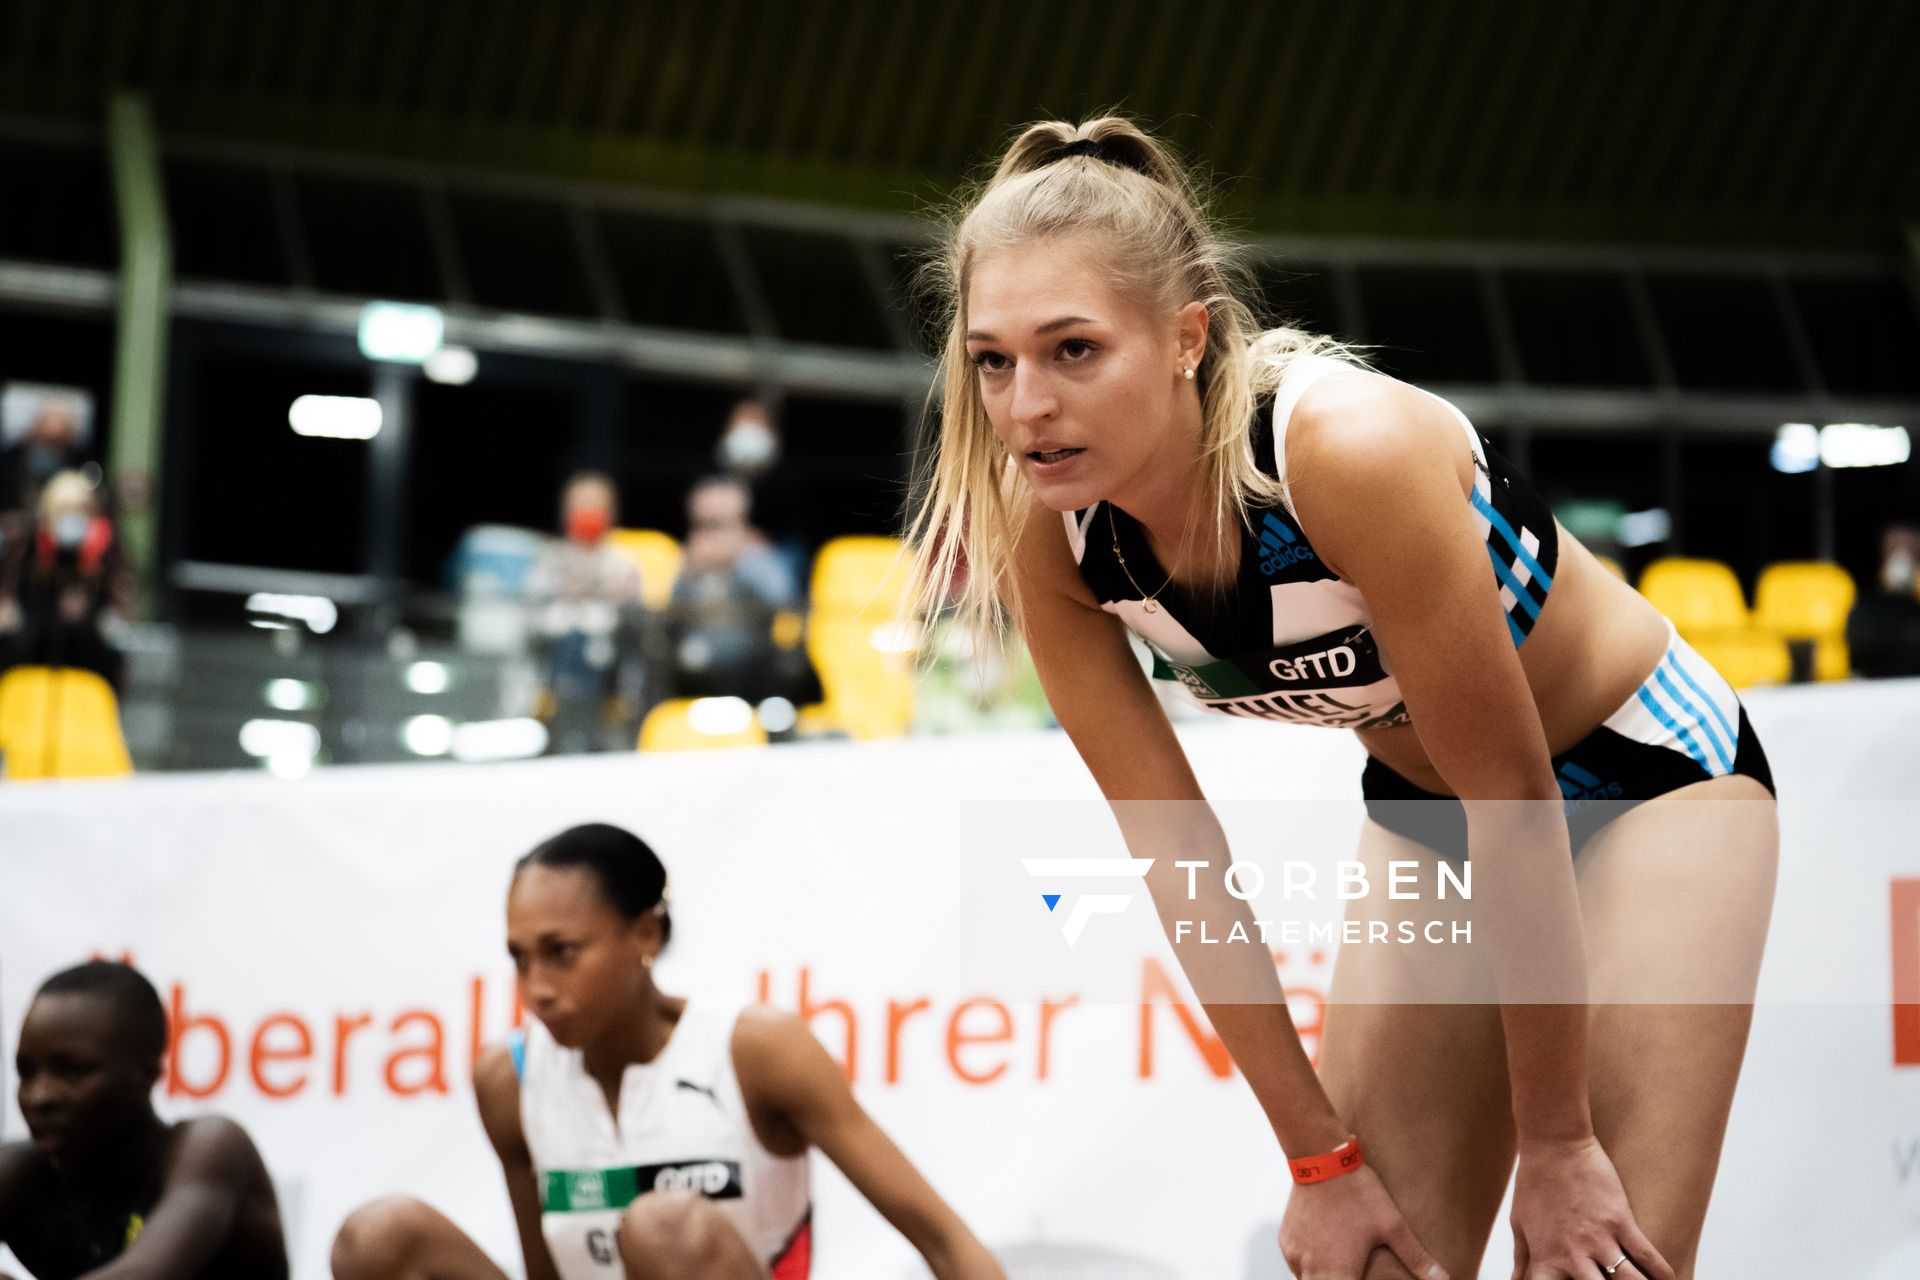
(1499, 522)
(1512, 579)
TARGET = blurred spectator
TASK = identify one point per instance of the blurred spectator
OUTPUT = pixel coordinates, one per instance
(51, 445)
(65, 586)
(1883, 631)
(578, 590)
(750, 451)
(964, 689)
(731, 586)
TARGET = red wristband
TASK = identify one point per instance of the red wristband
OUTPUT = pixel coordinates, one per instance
(1344, 1158)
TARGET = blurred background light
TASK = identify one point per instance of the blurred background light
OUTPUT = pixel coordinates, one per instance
(335, 417)
(405, 332)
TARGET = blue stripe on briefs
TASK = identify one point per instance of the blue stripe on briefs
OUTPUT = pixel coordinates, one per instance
(1499, 522)
(1519, 636)
(1686, 704)
(1508, 576)
(1673, 660)
(1673, 727)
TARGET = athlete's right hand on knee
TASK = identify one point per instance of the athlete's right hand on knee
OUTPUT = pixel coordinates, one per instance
(1332, 1228)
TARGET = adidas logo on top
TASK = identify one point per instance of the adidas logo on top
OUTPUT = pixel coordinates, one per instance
(1279, 546)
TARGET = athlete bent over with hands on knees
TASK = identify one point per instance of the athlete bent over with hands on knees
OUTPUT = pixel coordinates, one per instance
(1295, 537)
(645, 1135)
(106, 1189)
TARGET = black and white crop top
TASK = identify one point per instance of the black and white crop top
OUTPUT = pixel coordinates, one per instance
(1291, 641)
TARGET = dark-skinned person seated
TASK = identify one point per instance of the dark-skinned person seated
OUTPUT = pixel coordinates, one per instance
(106, 1189)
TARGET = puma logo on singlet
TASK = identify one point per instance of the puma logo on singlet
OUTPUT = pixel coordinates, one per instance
(712, 1097)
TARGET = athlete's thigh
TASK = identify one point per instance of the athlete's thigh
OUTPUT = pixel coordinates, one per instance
(1417, 1068)
(404, 1237)
(676, 1235)
(1676, 896)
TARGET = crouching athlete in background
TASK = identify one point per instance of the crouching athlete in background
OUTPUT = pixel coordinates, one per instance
(106, 1189)
(645, 1135)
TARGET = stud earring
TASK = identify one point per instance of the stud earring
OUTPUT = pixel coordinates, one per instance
(1189, 373)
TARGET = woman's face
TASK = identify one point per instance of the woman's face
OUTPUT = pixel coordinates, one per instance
(1080, 381)
(581, 964)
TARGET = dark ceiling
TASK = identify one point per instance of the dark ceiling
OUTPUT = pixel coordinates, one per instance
(1732, 122)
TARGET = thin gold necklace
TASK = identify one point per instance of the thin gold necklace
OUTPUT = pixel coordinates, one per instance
(1148, 599)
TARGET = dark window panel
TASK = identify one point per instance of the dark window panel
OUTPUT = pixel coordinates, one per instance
(816, 289)
(521, 255)
(847, 465)
(1866, 501)
(484, 453)
(1427, 324)
(912, 297)
(1299, 295)
(1724, 333)
(56, 205)
(261, 494)
(368, 239)
(1865, 333)
(64, 350)
(1737, 509)
(672, 429)
(670, 272)
(224, 224)
(1576, 329)
(1611, 465)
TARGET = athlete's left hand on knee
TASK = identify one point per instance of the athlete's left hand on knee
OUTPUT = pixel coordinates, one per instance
(1571, 1220)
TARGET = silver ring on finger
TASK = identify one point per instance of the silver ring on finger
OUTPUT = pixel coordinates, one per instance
(1616, 1264)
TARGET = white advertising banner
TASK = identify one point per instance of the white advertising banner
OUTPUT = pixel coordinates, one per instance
(331, 950)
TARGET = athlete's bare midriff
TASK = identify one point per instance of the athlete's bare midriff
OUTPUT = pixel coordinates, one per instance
(1595, 642)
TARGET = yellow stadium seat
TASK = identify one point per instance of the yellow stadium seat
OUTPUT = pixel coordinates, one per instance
(1746, 658)
(1808, 601)
(693, 724)
(861, 574)
(657, 555)
(1701, 596)
(60, 723)
(1707, 607)
(862, 636)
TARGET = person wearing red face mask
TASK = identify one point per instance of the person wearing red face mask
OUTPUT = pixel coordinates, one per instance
(645, 1136)
(106, 1189)
(578, 589)
(65, 587)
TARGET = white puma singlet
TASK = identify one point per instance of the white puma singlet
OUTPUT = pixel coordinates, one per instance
(683, 1125)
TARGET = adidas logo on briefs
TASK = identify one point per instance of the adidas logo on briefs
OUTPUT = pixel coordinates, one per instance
(1279, 546)
(1582, 788)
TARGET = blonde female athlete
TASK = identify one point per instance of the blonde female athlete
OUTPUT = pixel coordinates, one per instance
(1299, 539)
(646, 1136)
